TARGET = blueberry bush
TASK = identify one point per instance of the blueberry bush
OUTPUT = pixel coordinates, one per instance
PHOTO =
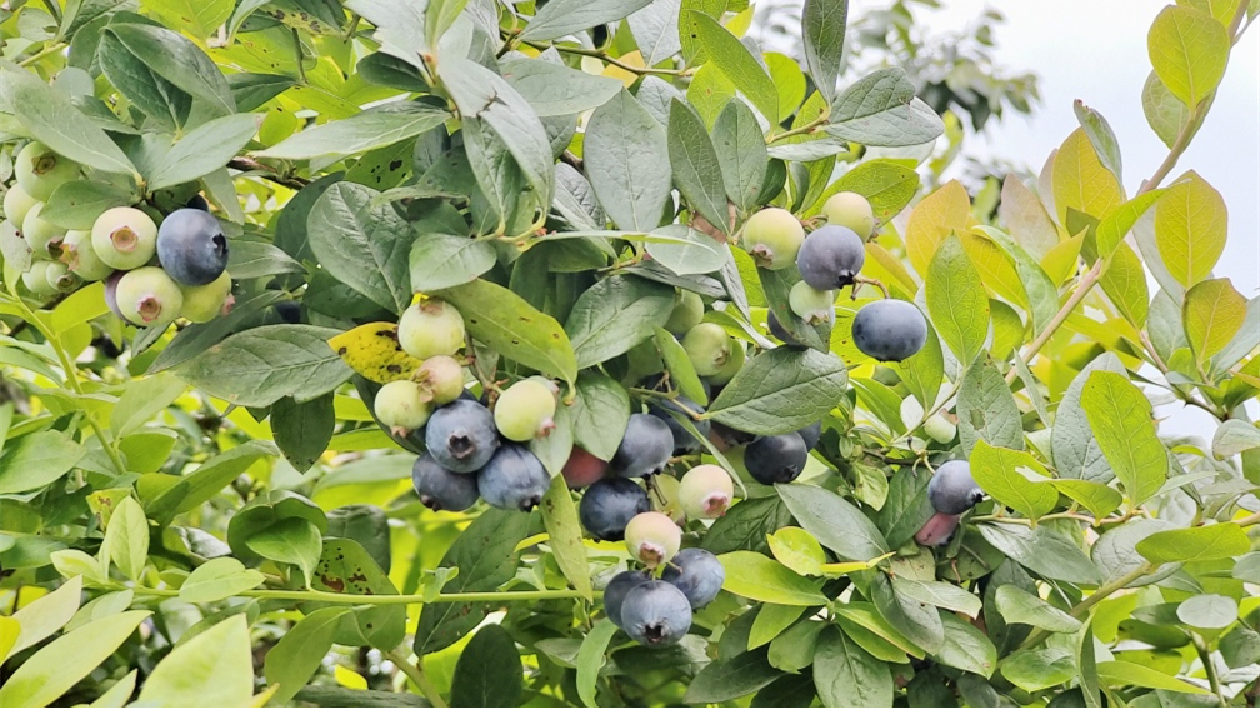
(479, 354)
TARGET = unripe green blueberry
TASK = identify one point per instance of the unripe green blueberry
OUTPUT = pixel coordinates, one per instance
(773, 236)
(524, 411)
(708, 346)
(813, 306)
(203, 303)
(148, 297)
(940, 429)
(734, 362)
(443, 377)
(40, 171)
(705, 492)
(78, 254)
(851, 210)
(687, 313)
(653, 538)
(61, 279)
(36, 280)
(402, 406)
(431, 328)
(16, 203)
(42, 236)
(124, 238)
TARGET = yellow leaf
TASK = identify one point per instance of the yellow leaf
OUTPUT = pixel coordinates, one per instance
(1060, 262)
(1081, 182)
(626, 77)
(1222, 10)
(1190, 229)
(1189, 50)
(372, 350)
(1124, 282)
(349, 679)
(852, 566)
(946, 210)
(1212, 314)
(797, 549)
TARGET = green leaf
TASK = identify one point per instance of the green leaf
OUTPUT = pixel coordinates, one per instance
(1042, 295)
(260, 366)
(880, 109)
(823, 24)
(439, 15)
(1043, 551)
(251, 91)
(1100, 135)
(681, 371)
(1190, 222)
(966, 647)
(986, 409)
(1212, 313)
(1039, 669)
(1011, 477)
(200, 18)
(52, 119)
(735, 61)
(166, 104)
(794, 649)
(302, 431)
(1120, 417)
(489, 672)
(938, 593)
(776, 286)
(1124, 674)
(741, 153)
(624, 149)
(176, 59)
(1018, 606)
(36, 459)
(922, 373)
(59, 665)
(1234, 436)
(956, 300)
(600, 412)
(655, 31)
(746, 525)
(345, 567)
(560, 516)
(907, 507)
(614, 315)
(557, 19)
(694, 253)
(1076, 451)
(400, 25)
(485, 554)
(143, 399)
(194, 339)
(1188, 49)
(555, 89)
(500, 319)
(299, 653)
(127, 538)
(695, 165)
(780, 391)
(770, 622)
(215, 666)
(42, 618)
(1165, 113)
(359, 133)
(218, 579)
(846, 676)
(362, 245)
(591, 659)
(1201, 543)
(836, 523)
(479, 92)
(889, 186)
(1118, 221)
(726, 680)
(293, 540)
(1098, 498)
(797, 549)
(440, 261)
(756, 577)
(1208, 611)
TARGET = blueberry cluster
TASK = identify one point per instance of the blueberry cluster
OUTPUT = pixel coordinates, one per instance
(952, 493)
(656, 611)
(828, 259)
(153, 274)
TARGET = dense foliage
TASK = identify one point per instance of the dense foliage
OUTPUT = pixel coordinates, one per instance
(579, 352)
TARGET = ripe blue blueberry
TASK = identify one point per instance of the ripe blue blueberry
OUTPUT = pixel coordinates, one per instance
(889, 330)
(441, 489)
(609, 504)
(191, 247)
(655, 613)
(697, 573)
(461, 436)
(776, 459)
(513, 479)
(645, 447)
(831, 257)
(617, 588)
(811, 434)
(952, 490)
(684, 441)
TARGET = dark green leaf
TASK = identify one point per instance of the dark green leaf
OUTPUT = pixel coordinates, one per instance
(562, 17)
(179, 61)
(727, 680)
(847, 676)
(362, 245)
(734, 60)
(251, 91)
(555, 89)
(52, 119)
(257, 259)
(298, 655)
(345, 567)
(823, 25)
(359, 133)
(836, 523)
(203, 150)
(624, 150)
(986, 409)
(1043, 551)
(614, 315)
(781, 391)
(600, 412)
(881, 109)
(489, 673)
(746, 525)
(197, 338)
(694, 253)
(695, 165)
(440, 261)
(160, 99)
(741, 153)
(303, 430)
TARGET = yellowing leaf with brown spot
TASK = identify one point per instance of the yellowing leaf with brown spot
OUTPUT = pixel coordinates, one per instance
(1190, 228)
(946, 210)
(1212, 314)
(372, 350)
(1081, 182)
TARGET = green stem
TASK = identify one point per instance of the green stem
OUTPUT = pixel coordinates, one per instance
(606, 58)
(297, 49)
(50, 49)
(1209, 670)
(415, 672)
(1102, 593)
(343, 599)
(803, 130)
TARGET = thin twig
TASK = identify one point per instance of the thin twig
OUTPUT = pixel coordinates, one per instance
(267, 172)
(415, 672)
